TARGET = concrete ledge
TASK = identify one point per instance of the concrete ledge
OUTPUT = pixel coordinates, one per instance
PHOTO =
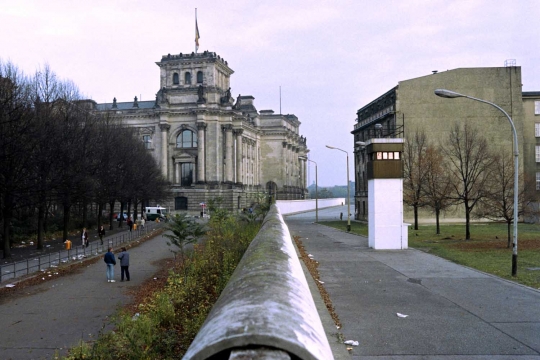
(267, 303)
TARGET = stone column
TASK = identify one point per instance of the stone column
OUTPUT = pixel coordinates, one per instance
(239, 146)
(229, 146)
(164, 147)
(201, 146)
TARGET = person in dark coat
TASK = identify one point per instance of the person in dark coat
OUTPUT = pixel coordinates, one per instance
(124, 263)
(110, 261)
(101, 233)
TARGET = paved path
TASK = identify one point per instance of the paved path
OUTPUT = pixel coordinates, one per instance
(454, 312)
(59, 313)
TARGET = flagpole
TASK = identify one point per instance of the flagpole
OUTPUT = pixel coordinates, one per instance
(196, 47)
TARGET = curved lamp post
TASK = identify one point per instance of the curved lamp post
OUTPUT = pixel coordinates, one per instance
(451, 94)
(348, 196)
(316, 189)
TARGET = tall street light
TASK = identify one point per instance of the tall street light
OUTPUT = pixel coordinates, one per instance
(348, 195)
(451, 94)
(316, 189)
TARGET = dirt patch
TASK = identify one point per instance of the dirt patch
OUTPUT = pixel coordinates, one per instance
(312, 266)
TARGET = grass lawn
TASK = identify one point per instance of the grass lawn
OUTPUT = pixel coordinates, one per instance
(486, 251)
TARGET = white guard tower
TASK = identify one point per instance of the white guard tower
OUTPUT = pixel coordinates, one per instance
(385, 194)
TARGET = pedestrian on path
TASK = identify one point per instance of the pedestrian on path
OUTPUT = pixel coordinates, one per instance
(84, 237)
(130, 223)
(110, 261)
(101, 233)
(124, 263)
(142, 222)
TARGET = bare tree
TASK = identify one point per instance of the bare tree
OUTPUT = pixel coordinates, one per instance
(16, 136)
(470, 164)
(438, 184)
(498, 204)
(415, 171)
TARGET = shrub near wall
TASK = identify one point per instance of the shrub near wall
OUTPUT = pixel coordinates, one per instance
(168, 322)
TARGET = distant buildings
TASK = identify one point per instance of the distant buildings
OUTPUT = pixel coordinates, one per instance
(413, 105)
(210, 146)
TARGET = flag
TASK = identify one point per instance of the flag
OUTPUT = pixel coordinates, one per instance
(197, 36)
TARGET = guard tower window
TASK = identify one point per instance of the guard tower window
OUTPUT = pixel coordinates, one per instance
(199, 77)
(537, 108)
(175, 79)
(186, 139)
(187, 78)
(385, 155)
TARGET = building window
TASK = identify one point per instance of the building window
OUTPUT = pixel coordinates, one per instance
(538, 181)
(187, 78)
(537, 148)
(180, 203)
(175, 79)
(186, 139)
(199, 77)
(537, 108)
(537, 129)
(147, 141)
(186, 174)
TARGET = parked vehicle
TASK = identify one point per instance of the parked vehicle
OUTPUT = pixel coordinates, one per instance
(117, 217)
(154, 212)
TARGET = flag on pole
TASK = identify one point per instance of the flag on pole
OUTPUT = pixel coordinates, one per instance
(197, 36)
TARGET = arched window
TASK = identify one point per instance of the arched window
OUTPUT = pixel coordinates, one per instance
(186, 139)
(187, 78)
(175, 79)
(199, 77)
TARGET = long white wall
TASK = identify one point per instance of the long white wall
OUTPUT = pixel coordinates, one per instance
(296, 206)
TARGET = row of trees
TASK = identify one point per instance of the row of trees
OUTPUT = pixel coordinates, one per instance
(57, 155)
(463, 170)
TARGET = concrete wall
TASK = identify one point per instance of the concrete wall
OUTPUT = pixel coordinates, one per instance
(295, 206)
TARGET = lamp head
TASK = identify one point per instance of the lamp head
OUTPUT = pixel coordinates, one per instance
(448, 94)
(330, 147)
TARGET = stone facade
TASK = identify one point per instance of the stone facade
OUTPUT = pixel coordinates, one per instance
(413, 105)
(209, 145)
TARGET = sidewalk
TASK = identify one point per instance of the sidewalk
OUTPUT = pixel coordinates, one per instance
(57, 314)
(453, 312)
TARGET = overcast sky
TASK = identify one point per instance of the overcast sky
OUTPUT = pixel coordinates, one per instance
(329, 57)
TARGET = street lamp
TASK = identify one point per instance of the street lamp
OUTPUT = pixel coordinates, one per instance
(451, 94)
(348, 196)
(316, 189)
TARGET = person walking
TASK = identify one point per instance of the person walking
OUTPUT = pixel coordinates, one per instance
(101, 233)
(142, 222)
(84, 238)
(124, 264)
(110, 261)
(130, 223)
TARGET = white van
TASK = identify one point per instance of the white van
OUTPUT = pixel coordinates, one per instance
(154, 212)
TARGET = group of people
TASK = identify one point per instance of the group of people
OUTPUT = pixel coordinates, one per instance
(111, 262)
(109, 257)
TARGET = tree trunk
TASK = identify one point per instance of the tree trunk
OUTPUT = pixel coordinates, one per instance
(99, 212)
(40, 225)
(437, 215)
(111, 204)
(415, 217)
(509, 223)
(84, 213)
(67, 207)
(7, 222)
(467, 223)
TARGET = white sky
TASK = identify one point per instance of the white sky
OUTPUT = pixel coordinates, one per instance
(329, 57)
